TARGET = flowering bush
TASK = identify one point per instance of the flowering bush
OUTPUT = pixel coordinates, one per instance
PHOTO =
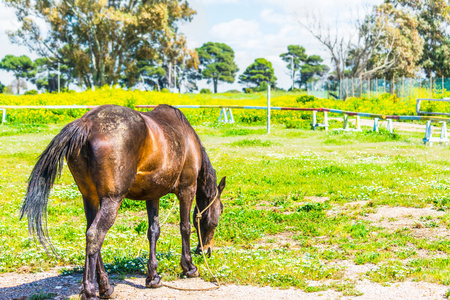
(381, 104)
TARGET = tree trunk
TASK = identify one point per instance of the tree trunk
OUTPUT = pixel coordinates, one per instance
(18, 85)
(215, 81)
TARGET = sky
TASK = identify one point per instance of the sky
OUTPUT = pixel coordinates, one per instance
(253, 28)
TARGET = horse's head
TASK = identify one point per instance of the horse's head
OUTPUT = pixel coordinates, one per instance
(209, 220)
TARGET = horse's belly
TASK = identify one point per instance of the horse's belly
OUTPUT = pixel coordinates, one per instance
(151, 185)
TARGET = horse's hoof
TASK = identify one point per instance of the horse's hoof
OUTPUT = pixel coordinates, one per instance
(109, 294)
(84, 297)
(155, 283)
(193, 273)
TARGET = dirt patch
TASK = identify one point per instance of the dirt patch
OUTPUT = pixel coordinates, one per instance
(351, 270)
(282, 240)
(421, 221)
(357, 203)
(21, 286)
(316, 199)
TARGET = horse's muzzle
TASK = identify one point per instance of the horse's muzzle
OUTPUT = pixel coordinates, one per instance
(207, 249)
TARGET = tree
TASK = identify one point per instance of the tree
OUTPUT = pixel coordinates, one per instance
(152, 74)
(217, 63)
(308, 67)
(179, 68)
(432, 23)
(2, 88)
(21, 67)
(104, 40)
(46, 76)
(400, 43)
(311, 69)
(295, 57)
(382, 40)
(259, 74)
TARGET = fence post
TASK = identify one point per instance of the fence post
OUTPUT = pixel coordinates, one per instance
(389, 127)
(375, 124)
(358, 123)
(268, 109)
(314, 120)
(3, 115)
(345, 127)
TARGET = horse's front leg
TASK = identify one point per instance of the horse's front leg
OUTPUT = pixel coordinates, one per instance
(95, 236)
(153, 279)
(186, 198)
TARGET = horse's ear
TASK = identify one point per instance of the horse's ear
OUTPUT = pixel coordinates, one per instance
(221, 185)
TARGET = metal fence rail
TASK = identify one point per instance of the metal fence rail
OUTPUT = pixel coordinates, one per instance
(376, 117)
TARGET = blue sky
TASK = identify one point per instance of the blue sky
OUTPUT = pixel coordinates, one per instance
(253, 28)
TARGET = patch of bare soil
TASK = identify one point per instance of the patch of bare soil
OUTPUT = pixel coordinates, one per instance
(22, 286)
(276, 241)
(317, 199)
(421, 221)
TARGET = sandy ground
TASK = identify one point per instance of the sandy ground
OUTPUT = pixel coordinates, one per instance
(20, 286)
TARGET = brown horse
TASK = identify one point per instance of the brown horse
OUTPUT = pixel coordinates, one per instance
(115, 152)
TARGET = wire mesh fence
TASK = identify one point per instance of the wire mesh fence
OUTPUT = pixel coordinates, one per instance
(401, 87)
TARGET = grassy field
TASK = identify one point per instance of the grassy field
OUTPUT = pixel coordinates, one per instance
(287, 220)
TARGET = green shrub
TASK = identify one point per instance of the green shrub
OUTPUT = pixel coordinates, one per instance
(232, 92)
(205, 91)
(31, 92)
(306, 98)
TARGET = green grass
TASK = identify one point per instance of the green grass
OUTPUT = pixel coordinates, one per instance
(272, 182)
(42, 296)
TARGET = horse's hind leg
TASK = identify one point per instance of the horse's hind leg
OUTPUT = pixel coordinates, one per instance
(90, 209)
(95, 236)
(186, 198)
(153, 280)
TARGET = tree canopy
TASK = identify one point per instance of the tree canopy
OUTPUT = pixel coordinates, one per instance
(259, 74)
(308, 67)
(311, 70)
(103, 40)
(217, 63)
(432, 18)
(295, 57)
(20, 66)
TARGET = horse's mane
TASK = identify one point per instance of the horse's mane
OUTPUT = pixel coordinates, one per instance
(206, 180)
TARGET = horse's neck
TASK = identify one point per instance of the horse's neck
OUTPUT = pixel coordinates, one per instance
(206, 183)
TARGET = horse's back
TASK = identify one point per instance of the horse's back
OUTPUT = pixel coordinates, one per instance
(137, 155)
(110, 158)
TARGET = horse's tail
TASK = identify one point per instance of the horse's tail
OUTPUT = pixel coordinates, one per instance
(69, 141)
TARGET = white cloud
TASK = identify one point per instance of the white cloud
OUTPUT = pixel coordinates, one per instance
(236, 30)
(270, 16)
